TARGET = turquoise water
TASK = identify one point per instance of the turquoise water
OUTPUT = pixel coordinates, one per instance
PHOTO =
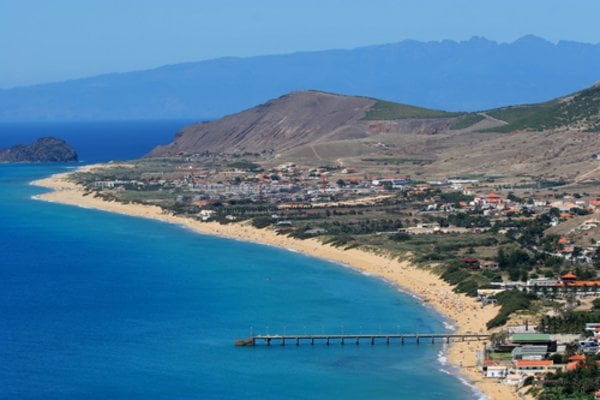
(102, 306)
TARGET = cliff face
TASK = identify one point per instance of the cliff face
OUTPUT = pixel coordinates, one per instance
(47, 149)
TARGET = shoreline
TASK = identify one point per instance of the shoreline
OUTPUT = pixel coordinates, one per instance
(465, 314)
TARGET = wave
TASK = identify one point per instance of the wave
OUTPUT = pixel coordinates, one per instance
(449, 326)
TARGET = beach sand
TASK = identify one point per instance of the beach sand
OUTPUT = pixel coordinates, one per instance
(467, 314)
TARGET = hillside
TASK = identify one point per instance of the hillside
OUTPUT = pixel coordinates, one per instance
(374, 136)
(579, 111)
(296, 120)
(278, 125)
(471, 75)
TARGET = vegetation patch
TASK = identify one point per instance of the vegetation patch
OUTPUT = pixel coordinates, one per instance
(386, 110)
(581, 110)
(466, 121)
(510, 302)
(244, 164)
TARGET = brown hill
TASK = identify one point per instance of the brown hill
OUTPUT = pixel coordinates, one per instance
(375, 137)
(279, 125)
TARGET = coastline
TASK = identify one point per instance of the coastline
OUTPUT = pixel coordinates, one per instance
(466, 313)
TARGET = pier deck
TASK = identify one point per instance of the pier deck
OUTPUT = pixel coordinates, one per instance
(417, 338)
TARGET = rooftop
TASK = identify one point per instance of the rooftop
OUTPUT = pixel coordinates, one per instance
(530, 337)
(534, 363)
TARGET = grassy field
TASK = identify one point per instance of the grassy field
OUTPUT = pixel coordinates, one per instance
(385, 110)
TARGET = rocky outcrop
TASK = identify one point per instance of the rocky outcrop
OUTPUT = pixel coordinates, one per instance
(47, 149)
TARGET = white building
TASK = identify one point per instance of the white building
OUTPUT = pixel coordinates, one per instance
(496, 371)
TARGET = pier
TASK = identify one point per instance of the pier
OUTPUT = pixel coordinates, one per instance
(388, 339)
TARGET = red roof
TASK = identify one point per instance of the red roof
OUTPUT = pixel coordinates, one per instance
(493, 195)
(578, 357)
(563, 240)
(569, 275)
(584, 283)
(572, 365)
(534, 363)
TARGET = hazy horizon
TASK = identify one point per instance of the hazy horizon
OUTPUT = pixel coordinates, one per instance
(155, 67)
(42, 42)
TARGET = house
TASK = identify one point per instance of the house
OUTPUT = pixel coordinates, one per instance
(541, 282)
(496, 371)
(589, 345)
(572, 366)
(514, 379)
(530, 352)
(564, 240)
(597, 395)
(485, 294)
(469, 262)
(578, 358)
(532, 367)
(205, 215)
(569, 283)
(569, 277)
(592, 326)
(490, 200)
(575, 361)
(531, 339)
(488, 265)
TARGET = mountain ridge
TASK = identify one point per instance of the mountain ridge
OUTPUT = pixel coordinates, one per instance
(458, 76)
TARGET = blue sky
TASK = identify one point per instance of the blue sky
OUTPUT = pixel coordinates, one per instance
(53, 40)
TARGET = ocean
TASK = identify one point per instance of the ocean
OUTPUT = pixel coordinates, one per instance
(96, 305)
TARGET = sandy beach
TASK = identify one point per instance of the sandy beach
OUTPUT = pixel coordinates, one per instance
(467, 314)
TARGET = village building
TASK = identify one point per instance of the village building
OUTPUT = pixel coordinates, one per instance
(488, 265)
(529, 352)
(531, 339)
(569, 283)
(533, 367)
(490, 200)
(496, 371)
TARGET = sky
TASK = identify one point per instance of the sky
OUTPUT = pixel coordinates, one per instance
(54, 40)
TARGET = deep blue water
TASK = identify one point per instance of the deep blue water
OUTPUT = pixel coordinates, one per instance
(102, 306)
(97, 141)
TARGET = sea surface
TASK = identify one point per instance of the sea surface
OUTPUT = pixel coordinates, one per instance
(96, 305)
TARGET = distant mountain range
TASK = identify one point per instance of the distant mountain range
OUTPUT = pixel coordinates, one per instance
(459, 76)
(555, 139)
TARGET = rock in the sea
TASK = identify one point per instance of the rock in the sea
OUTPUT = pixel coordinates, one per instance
(47, 149)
